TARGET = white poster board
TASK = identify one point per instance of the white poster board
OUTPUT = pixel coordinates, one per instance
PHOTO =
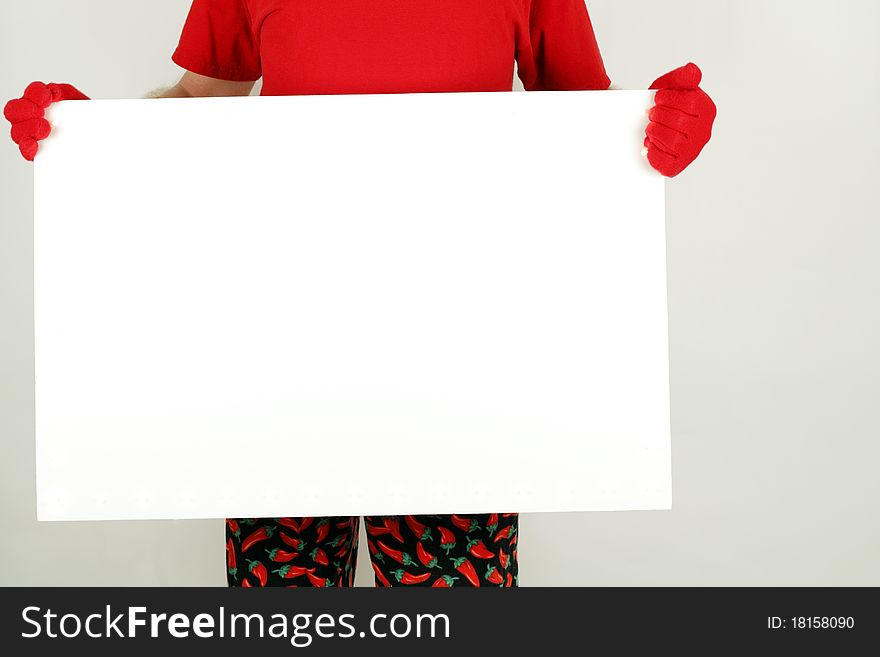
(377, 304)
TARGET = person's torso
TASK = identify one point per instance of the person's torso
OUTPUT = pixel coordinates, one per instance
(387, 46)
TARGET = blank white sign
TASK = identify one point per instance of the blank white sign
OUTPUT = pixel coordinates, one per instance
(341, 305)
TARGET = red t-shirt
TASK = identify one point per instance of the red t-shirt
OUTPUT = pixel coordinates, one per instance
(393, 46)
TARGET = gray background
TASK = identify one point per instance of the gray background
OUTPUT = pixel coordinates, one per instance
(774, 280)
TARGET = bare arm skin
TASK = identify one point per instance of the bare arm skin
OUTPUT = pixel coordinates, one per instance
(193, 85)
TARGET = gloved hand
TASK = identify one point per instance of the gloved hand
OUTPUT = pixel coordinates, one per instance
(680, 121)
(27, 114)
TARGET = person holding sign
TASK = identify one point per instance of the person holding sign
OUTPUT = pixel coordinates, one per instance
(302, 47)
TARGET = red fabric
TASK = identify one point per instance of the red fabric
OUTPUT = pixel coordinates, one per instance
(399, 46)
(26, 114)
(393, 46)
(680, 123)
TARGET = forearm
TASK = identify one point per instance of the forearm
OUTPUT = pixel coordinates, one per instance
(192, 85)
(175, 91)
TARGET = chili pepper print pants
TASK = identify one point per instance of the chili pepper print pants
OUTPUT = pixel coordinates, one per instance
(427, 550)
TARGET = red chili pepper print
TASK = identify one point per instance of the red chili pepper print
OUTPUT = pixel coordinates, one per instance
(281, 556)
(296, 543)
(323, 530)
(439, 551)
(289, 572)
(397, 555)
(419, 530)
(407, 578)
(466, 525)
(466, 568)
(492, 524)
(375, 530)
(319, 582)
(476, 548)
(319, 556)
(234, 529)
(444, 582)
(493, 576)
(380, 576)
(428, 560)
(263, 533)
(374, 551)
(504, 533)
(447, 538)
(230, 558)
(290, 523)
(259, 571)
(392, 524)
(341, 539)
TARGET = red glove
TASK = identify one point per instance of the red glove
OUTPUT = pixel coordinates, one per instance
(26, 114)
(680, 121)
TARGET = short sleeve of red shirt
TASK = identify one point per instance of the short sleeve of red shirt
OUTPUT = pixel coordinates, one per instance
(218, 41)
(560, 52)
